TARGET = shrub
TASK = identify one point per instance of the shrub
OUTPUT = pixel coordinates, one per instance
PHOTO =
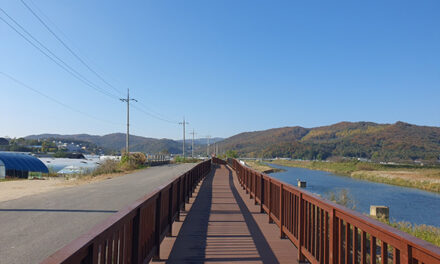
(107, 167)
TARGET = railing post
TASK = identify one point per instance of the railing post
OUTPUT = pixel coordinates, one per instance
(157, 227)
(170, 210)
(135, 238)
(262, 199)
(301, 257)
(332, 237)
(282, 235)
(406, 254)
(270, 201)
(179, 202)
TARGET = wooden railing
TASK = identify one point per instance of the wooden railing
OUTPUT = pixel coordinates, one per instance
(134, 234)
(325, 232)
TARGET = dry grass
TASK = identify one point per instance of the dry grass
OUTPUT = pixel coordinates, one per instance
(261, 167)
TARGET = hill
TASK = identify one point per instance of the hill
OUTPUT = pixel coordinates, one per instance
(116, 142)
(381, 142)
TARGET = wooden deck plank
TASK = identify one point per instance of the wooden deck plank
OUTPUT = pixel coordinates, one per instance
(224, 226)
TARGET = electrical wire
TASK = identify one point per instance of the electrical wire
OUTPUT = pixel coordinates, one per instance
(55, 100)
(62, 64)
(68, 48)
(67, 68)
(153, 116)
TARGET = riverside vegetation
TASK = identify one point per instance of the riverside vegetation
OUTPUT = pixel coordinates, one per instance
(262, 167)
(344, 198)
(426, 232)
(414, 176)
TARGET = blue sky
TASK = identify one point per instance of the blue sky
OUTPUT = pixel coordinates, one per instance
(227, 66)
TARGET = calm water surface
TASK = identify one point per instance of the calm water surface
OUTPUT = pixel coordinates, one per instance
(405, 204)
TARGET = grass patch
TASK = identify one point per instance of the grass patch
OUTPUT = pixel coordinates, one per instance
(262, 167)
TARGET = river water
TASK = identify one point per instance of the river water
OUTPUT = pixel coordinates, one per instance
(406, 204)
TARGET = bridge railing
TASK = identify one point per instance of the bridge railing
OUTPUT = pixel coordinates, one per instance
(325, 232)
(134, 234)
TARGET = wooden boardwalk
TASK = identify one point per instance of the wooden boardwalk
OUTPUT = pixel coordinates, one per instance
(222, 225)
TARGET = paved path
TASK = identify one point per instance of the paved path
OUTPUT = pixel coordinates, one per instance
(33, 227)
(224, 226)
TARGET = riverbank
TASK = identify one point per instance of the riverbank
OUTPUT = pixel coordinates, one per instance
(427, 179)
(262, 167)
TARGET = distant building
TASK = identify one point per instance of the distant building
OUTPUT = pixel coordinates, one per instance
(19, 165)
(4, 141)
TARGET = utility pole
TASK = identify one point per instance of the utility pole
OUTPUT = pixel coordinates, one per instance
(127, 139)
(183, 123)
(207, 149)
(192, 147)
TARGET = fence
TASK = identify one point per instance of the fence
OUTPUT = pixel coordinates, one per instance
(133, 234)
(325, 232)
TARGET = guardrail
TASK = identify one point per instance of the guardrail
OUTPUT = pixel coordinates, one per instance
(134, 234)
(152, 163)
(325, 232)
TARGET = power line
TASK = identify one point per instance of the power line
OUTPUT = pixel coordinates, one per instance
(67, 68)
(163, 117)
(68, 48)
(154, 116)
(55, 100)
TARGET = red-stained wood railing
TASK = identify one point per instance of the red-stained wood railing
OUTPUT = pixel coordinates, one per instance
(325, 232)
(134, 234)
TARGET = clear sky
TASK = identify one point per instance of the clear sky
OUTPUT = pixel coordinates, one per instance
(228, 66)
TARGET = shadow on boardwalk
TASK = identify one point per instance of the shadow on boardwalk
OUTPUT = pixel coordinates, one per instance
(220, 227)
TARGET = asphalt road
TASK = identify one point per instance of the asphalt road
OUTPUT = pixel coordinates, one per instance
(34, 227)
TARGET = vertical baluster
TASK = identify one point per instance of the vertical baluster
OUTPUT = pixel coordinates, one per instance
(263, 198)
(396, 256)
(384, 252)
(321, 236)
(301, 225)
(347, 242)
(341, 241)
(327, 238)
(270, 201)
(355, 245)
(312, 229)
(281, 212)
(364, 248)
(372, 249)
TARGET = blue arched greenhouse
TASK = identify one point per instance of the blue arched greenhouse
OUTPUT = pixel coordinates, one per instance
(18, 165)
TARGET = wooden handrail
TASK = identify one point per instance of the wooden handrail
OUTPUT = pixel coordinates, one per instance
(134, 233)
(325, 232)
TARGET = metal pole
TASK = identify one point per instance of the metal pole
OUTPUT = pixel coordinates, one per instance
(183, 123)
(192, 145)
(207, 150)
(127, 139)
(184, 138)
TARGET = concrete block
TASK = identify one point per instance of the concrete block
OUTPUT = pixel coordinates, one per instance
(380, 211)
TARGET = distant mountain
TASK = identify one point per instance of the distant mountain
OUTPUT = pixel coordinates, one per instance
(384, 142)
(202, 141)
(116, 142)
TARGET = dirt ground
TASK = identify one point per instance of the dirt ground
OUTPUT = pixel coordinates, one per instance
(14, 189)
